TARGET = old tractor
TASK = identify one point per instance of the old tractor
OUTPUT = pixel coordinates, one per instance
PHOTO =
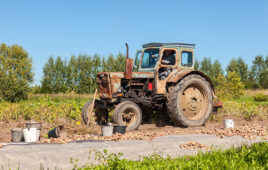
(162, 78)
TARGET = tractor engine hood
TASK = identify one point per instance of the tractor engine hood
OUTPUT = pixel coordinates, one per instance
(110, 82)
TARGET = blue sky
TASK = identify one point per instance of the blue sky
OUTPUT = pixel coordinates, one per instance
(221, 29)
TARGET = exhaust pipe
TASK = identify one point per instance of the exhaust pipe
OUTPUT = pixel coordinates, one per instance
(128, 66)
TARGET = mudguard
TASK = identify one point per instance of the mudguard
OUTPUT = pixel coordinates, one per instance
(176, 77)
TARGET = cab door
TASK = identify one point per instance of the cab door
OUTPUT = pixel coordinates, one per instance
(168, 64)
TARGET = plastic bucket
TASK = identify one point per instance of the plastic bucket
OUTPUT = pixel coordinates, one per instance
(107, 130)
(30, 135)
(228, 123)
(16, 135)
(37, 134)
(59, 131)
(34, 125)
(119, 129)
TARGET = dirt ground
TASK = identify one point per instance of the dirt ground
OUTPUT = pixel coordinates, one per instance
(148, 131)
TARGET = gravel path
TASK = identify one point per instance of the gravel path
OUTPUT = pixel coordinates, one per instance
(58, 155)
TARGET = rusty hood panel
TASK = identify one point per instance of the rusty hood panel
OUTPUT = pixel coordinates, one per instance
(110, 82)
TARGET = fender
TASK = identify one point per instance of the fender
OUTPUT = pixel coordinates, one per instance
(176, 77)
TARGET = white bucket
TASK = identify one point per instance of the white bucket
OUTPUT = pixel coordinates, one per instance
(107, 130)
(229, 123)
(30, 135)
(37, 135)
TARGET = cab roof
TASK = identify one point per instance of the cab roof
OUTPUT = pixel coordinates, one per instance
(153, 44)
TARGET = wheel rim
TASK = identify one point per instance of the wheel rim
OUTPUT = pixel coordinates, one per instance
(129, 117)
(193, 102)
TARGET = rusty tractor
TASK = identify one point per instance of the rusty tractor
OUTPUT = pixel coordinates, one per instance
(162, 79)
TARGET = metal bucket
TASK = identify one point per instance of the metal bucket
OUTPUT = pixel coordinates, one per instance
(16, 135)
(107, 130)
(228, 123)
(34, 125)
(120, 129)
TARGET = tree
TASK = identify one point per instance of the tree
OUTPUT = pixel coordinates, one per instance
(15, 73)
(206, 65)
(259, 66)
(241, 68)
(229, 87)
(215, 71)
(72, 76)
(196, 65)
(48, 81)
(232, 66)
(60, 76)
(264, 79)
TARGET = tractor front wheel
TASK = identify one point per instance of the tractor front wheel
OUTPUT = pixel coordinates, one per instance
(98, 115)
(128, 114)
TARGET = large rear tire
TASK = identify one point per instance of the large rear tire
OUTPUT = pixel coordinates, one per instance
(99, 115)
(128, 114)
(190, 102)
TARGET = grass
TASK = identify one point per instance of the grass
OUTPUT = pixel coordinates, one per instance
(253, 157)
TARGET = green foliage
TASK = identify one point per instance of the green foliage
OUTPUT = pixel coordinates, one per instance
(245, 157)
(196, 64)
(213, 70)
(246, 109)
(229, 87)
(258, 74)
(241, 68)
(263, 76)
(206, 65)
(15, 73)
(260, 97)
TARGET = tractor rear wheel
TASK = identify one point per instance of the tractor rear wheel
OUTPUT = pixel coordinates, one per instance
(128, 114)
(190, 102)
(98, 115)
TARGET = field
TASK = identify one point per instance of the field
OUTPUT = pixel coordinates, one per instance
(58, 109)
(253, 157)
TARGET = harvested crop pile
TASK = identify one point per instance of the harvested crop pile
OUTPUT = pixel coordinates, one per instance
(193, 145)
(247, 131)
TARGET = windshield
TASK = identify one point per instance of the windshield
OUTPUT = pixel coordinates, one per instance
(150, 57)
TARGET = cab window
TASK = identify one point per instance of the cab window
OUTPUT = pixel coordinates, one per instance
(137, 61)
(169, 57)
(149, 58)
(186, 58)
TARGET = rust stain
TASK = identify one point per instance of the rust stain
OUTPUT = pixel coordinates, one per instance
(128, 69)
(103, 80)
(217, 104)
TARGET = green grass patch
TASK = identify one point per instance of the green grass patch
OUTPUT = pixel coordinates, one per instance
(253, 157)
(252, 100)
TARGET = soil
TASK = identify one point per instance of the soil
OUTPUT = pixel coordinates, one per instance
(148, 131)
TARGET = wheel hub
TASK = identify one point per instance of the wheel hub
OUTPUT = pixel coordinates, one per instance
(192, 105)
(192, 102)
(128, 117)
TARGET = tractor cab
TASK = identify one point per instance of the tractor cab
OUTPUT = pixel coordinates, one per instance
(154, 56)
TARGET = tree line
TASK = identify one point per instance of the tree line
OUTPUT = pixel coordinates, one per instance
(252, 77)
(78, 74)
